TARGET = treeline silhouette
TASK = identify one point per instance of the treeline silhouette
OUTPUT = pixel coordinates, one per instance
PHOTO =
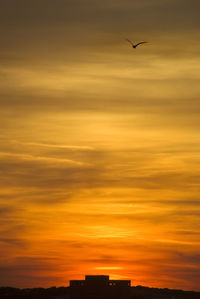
(138, 292)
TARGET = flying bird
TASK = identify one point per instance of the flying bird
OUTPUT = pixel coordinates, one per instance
(134, 46)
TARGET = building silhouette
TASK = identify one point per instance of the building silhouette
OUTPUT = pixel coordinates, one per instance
(99, 286)
(95, 281)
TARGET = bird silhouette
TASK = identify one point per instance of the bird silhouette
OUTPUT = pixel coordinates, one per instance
(135, 45)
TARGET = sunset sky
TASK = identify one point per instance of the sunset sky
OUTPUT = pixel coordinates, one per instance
(99, 142)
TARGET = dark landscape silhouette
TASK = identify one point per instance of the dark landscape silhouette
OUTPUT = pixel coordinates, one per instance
(97, 287)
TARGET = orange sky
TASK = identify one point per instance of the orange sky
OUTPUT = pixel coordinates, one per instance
(99, 142)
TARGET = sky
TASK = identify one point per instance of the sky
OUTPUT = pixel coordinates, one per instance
(99, 142)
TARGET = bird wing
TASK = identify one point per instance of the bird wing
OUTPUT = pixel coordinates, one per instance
(129, 41)
(140, 43)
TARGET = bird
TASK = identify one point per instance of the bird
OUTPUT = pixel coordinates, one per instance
(135, 45)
